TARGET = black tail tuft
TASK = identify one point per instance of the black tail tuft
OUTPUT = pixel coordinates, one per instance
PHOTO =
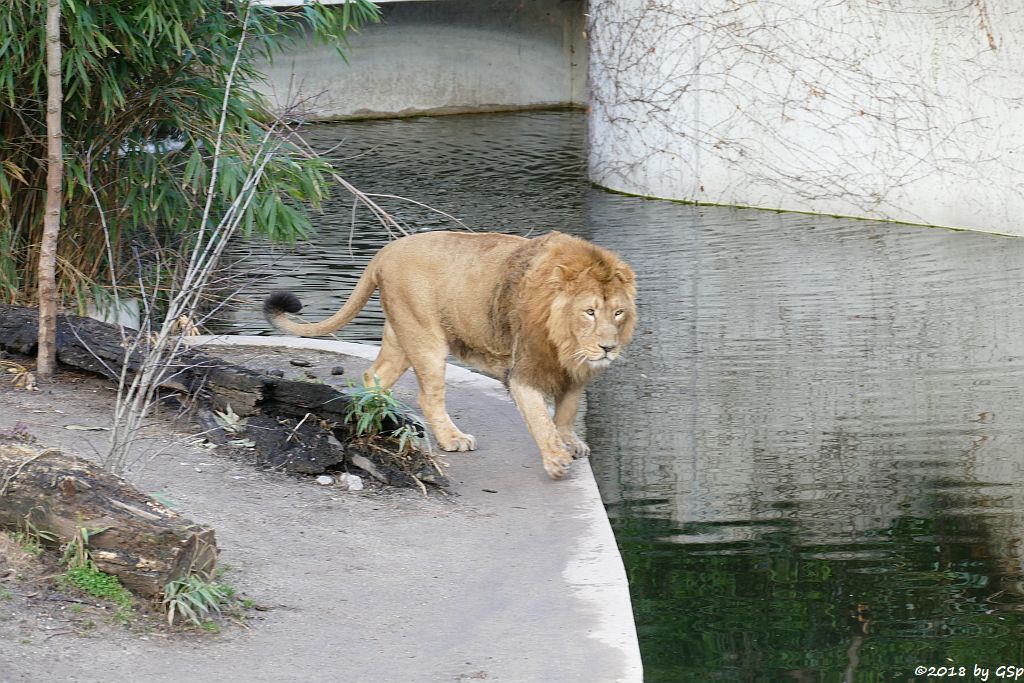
(281, 301)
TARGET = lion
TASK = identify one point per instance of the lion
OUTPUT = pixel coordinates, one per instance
(544, 315)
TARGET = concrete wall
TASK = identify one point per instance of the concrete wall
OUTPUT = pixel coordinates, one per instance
(443, 56)
(910, 110)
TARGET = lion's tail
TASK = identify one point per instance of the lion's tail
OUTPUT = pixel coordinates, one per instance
(281, 302)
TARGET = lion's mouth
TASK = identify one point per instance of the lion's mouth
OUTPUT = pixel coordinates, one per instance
(595, 361)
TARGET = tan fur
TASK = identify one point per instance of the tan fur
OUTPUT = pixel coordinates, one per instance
(544, 315)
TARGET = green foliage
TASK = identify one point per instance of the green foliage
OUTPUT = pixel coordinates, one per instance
(90, 580)
(144, 86)
(371, 408)
(76, 552)
(29, 544)
(31, 538)
(406, 436)
(84, 575)
(194, 599)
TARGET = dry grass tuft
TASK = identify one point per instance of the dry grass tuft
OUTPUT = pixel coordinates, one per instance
(15, 560)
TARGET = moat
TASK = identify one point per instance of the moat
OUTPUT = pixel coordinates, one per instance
(811, 454)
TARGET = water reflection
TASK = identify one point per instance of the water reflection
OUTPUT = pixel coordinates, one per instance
(812, 456)
(824, 447)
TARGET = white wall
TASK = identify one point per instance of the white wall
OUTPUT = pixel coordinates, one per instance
(910, 110)
(444, 56)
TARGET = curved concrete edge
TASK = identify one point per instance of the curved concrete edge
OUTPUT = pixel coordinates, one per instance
(594, 570)
(598, 576)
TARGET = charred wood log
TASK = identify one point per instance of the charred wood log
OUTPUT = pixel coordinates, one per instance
(99, 348)
(297, 427)
(132, 536)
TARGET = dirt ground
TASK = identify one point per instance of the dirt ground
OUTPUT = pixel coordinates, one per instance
(186, 473)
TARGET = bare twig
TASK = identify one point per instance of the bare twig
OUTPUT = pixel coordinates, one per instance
(11, 477)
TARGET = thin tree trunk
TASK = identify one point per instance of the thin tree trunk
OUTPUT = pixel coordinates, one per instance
(54, 198)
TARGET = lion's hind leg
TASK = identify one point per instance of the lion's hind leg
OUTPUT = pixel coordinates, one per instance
(390, 364)
(430, 374)
(427, 352)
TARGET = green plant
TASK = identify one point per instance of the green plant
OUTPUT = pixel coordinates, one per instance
(84, 575)
(375, 414)
(370, 408)
(31, 538)
(407, 437)
(193, 598)
(158, 106)
(76, 551)
(90, 580)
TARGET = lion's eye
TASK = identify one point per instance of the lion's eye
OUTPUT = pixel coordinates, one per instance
(619, 313)
(589, 312)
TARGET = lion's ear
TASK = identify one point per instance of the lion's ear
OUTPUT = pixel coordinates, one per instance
(625, 274)
(563, 273)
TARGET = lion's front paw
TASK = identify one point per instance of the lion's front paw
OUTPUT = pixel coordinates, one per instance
(457, 442)
(557, 464)
(574, 444)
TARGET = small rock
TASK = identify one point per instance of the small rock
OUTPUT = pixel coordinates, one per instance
(337, 370)
(300, 362)
(324, 480)
(275, 373)
(310, 374)
(351, 482)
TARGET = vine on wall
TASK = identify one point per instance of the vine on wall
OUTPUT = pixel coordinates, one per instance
(850, 106)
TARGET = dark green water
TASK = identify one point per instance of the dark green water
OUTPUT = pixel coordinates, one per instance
(812, 455)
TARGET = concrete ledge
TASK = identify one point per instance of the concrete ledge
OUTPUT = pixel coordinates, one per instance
(455, 56)
(548, 546)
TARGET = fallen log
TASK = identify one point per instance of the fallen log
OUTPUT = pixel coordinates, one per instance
(99, 347)
(143, 543)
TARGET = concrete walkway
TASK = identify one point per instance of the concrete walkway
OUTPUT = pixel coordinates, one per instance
(519, 580)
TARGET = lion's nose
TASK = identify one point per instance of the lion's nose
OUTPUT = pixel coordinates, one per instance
(608, 348)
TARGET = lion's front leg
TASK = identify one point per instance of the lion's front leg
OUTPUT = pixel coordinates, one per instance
(566, 406)
(531, 404)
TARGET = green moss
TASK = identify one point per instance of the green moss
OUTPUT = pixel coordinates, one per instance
(90, 580)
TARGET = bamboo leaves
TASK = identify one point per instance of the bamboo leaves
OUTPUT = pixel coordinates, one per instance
(144, 93)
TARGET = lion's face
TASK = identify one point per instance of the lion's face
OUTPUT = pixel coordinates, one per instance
(601, 324)
(593, 318)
